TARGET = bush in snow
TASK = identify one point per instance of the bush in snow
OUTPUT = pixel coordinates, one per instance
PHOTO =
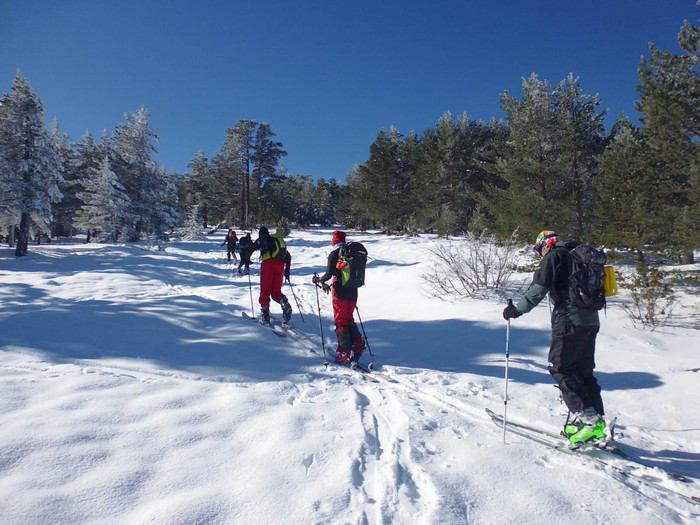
(468, 267)
(652, 297)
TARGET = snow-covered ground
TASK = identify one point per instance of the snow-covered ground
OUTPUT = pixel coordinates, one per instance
(133, 391)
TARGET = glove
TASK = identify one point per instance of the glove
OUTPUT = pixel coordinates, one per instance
(316, 279)
(511, 312)
(326, 287)
(286, 277)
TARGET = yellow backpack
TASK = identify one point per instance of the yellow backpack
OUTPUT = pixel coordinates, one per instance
(609, 281)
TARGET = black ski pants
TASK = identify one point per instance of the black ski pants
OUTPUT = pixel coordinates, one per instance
(571, 364)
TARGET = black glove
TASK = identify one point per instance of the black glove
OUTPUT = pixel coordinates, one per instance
(286, 277)
(511, 312)
(316, 279)
(326, 287)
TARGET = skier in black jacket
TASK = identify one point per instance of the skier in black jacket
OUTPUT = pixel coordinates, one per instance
(574, 331)
(231, 240)
(350, 344)
(245, 251)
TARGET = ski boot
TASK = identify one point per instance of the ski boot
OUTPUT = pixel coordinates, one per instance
(586, 427)
(286, 310)
(343, 357)
(265, 315)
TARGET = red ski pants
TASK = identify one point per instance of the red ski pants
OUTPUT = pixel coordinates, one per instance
(271, 278)
(346, 331)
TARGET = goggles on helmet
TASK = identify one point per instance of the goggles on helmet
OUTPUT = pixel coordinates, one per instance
(546, 238)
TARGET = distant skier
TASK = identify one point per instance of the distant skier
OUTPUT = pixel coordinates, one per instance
(231, 240)
(275, 266)
(350, 343)
(245, 245)
(574, 330)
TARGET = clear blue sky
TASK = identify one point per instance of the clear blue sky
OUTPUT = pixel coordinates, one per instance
(327, 75)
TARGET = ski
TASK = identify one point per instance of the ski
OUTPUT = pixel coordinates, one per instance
(365, 372)
(616, 460)
(276, 328)
(560, 439)
(376, 370)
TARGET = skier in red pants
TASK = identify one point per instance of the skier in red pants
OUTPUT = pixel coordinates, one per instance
(350, 344)
(276, 262)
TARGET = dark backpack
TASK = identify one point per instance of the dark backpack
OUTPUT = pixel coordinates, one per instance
(586, 289)
(280, 250)
(352, 259)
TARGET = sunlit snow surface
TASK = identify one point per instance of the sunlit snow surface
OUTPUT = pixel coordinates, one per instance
(133, 391)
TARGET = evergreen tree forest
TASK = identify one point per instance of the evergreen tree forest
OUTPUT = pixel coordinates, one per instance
(549, 162)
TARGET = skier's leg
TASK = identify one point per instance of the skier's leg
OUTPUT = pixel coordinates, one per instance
(563, 365)
(342, 315)
(591, 388)
(277, 271)
(357, 342)
(265, 285)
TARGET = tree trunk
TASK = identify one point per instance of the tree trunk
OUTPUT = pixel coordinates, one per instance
(11, 235)
(23, 238)
(686, 258)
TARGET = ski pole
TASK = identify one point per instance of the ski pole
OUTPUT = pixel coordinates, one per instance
(505, 398)
(364, 334)
(296, 301)
(250, 288)
(320, 324)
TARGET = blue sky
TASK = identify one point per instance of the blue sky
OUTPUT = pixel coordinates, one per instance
(326, 75)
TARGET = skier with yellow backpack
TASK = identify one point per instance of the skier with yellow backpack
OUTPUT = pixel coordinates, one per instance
(577, 279)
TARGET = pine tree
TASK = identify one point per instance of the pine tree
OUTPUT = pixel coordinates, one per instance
(65, 210)
(163, 216)
(104, 211)
(451, 173)
(629, 210)
(670, 106)
(224, 190)
(198, 189)
(192, 227)
(237, 157)
(134, 148)
(581, 143)
(546, 166)
(266, 157)
(526, 188)
(387, 178)
(29, 165)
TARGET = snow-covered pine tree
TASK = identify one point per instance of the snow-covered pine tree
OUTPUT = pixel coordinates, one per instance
(105, 205)
(134, 148)
(29, 165)
(163, 215)
(65, 210)
(191, 229)
(9, 200)
(199, 187)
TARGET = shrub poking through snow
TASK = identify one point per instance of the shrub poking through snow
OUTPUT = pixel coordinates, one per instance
(471, 266)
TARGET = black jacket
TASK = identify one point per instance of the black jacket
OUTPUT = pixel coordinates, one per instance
(343, 292)
(231, 240)
(552, 276)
